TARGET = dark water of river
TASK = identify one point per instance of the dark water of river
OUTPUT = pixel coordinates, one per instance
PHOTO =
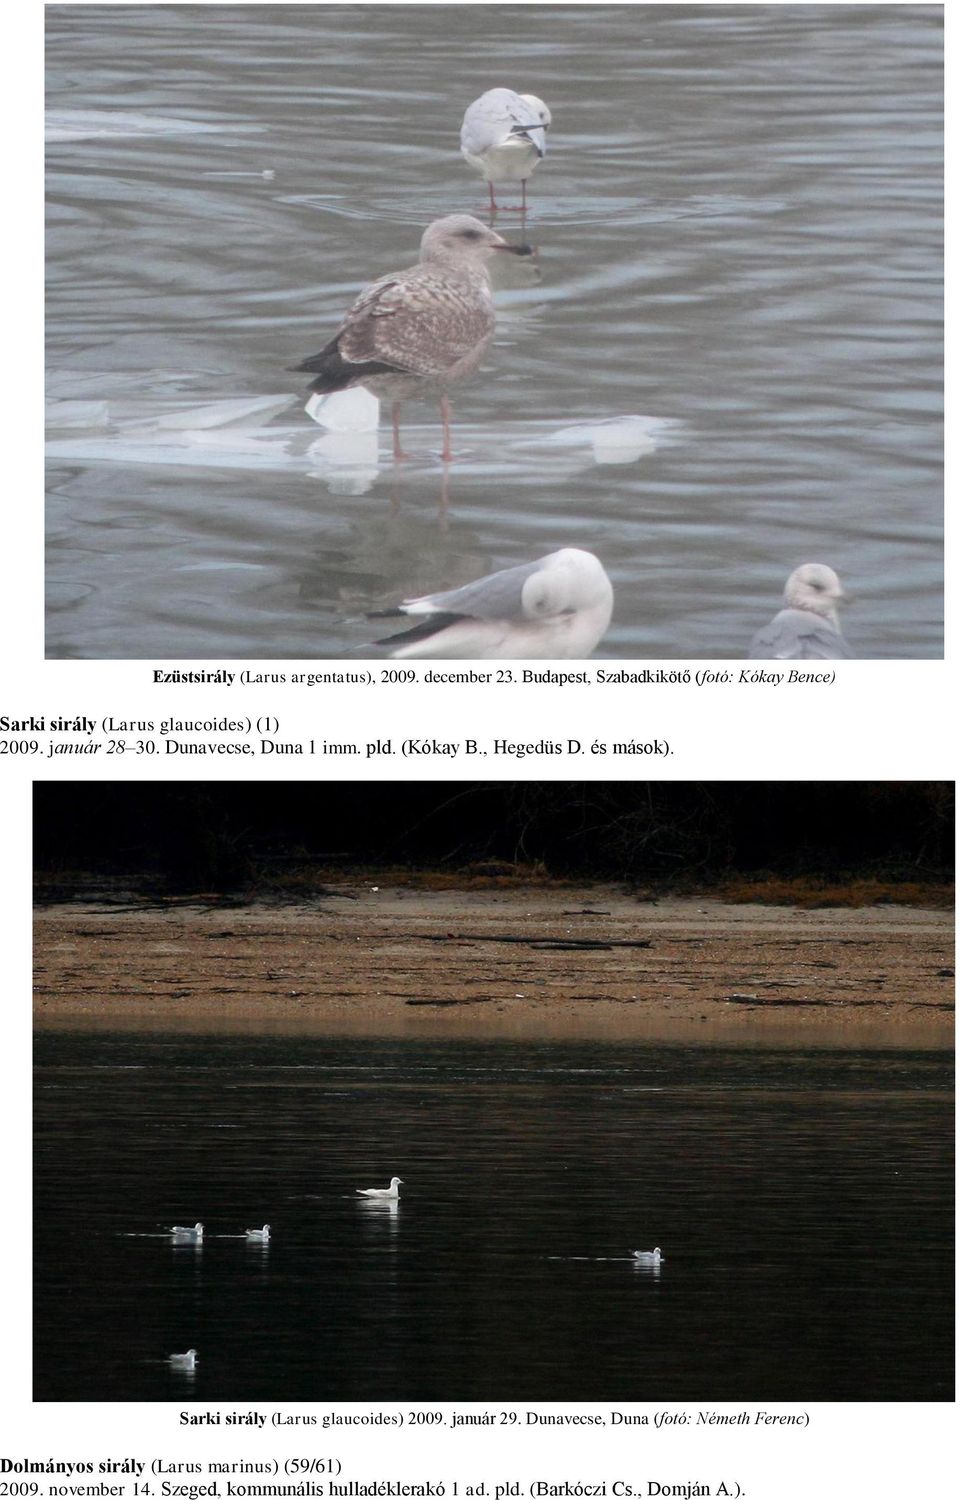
(801, 1199)
(738, 222)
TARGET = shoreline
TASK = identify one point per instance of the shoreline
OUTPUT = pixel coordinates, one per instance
(575, 962)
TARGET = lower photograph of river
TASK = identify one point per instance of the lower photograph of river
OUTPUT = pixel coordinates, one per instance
(493, 1092)
(801, 1200)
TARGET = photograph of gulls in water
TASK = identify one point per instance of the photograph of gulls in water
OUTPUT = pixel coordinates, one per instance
(557, 607)
(504, 136)
(417, 332)
(669, 379)
(808, 626)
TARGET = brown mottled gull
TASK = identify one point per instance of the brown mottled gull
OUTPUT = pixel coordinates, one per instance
(418, 331)
(556, 607)
(808, 627)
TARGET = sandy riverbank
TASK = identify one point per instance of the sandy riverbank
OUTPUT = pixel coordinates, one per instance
(408, 962)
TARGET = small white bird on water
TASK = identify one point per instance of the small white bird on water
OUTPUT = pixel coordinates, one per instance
(187, 1231)
(393, 1191)
(808, 627)
(187, 1361)
(648, 1257)
(420, 330)
(259, 1236)
(556, 607)
(504, 136)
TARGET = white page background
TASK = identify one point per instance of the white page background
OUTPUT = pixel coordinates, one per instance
(877, 721)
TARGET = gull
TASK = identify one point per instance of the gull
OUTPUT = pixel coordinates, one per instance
(393, 1191)
(186, 1361)
(808, 627)
(504, 135)
(260, 1236)
(558, 606)
(188, 1232)
(419, 330)
(648, 1257)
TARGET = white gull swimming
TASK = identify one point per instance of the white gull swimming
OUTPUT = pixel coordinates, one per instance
(393, 1191)
(187, 1361)
(192, 1232)
(556, 607)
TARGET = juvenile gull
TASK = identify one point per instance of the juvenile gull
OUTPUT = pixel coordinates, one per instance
(420, 330)
(259, 1236)
(187, 1231)
(558, 606)
(648, 1257)
(504, 135)
(187, 1361)
(808, 627)
(393, 1191)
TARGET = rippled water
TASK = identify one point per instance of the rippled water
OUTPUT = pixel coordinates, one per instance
(802, 1201)
(738, 226)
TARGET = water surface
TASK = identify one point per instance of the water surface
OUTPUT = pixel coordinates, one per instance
(738, 226)
(802, 1200)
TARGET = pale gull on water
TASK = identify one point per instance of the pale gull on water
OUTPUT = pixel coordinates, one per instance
(648, 1257)
(504, 135)
(187, 1231)
(393, 1191)
(418, 331)
(558, 606)
(187, 1361)
(808, 627)
(260, 1236)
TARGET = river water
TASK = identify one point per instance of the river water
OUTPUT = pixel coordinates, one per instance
(801, 1199)
(739, 264)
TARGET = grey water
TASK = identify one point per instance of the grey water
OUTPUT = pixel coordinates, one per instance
(801, 1199)
(738, 227)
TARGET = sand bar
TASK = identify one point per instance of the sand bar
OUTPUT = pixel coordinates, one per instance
(588, 962)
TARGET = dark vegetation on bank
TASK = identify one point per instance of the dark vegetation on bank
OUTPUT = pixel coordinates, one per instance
(821, 843)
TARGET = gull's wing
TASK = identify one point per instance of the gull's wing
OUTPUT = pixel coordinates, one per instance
(798, 635)
(499, 596)
(417, 322)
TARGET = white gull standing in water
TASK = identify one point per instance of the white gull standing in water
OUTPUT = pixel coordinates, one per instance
(648, 1257)
(808, 627)
(420, 330)
(259, 1236)
(504, 135)
(393, 1191)
(558, 606)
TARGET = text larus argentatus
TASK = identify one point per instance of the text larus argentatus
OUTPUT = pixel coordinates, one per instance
(558, 606)
(808, 627)
(504, 135)
(418, 331)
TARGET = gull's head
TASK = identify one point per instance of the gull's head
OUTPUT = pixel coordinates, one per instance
(461, 239)
(538, 111)
(396, 1182)
(567, 582)
(815, 587)
(536, 126)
